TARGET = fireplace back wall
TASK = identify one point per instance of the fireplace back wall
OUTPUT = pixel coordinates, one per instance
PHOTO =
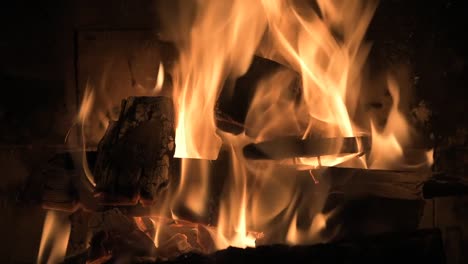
(42, 85)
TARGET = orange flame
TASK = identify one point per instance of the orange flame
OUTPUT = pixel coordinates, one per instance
(159, 79)
(54, 240)
(211, 52)
(85, 110)
(325, 47)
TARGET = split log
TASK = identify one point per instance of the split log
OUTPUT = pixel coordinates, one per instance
(135, 155)
(292, 147)
(396, 184)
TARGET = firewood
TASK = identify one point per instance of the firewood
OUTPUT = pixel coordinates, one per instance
(396, 184)
(117, 236)
(135, 155)
(291, 147)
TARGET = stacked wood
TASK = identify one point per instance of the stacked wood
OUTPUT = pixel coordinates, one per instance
(135, 155)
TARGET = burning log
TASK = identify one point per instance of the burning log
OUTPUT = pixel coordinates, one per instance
(291, 147)
(135, 155)
(396, 184)
(237, 95)
(117, 237)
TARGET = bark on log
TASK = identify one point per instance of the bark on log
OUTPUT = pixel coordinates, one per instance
(135, 155)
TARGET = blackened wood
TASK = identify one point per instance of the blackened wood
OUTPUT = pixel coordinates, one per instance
(441, 188)
(135, 155)
(117, 237)
(291, 147)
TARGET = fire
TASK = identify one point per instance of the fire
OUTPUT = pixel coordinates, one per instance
(221, 42)
(323, 52)
(324, 48)
(83, 114)
(159, 79)
(54, 240)
(318, 224)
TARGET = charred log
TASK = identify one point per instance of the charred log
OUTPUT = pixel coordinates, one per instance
(135, 155)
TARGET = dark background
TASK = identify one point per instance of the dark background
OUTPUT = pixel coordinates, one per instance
(39, 96)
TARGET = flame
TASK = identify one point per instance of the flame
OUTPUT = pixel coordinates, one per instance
(211, 52)
(193, 188)
(324, 52)
(159, 79)
(295, 236)
(54, 240)
(232, 222)
(85, 110)
(327, 53)
(387, 145)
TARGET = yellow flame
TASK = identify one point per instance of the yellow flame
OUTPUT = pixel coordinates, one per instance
(221, 42)
(193, 188)
(232, 222)
(159, 79)
(326, 50)
(54, 240)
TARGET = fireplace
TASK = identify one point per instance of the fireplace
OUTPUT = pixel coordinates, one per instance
(247, 131)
